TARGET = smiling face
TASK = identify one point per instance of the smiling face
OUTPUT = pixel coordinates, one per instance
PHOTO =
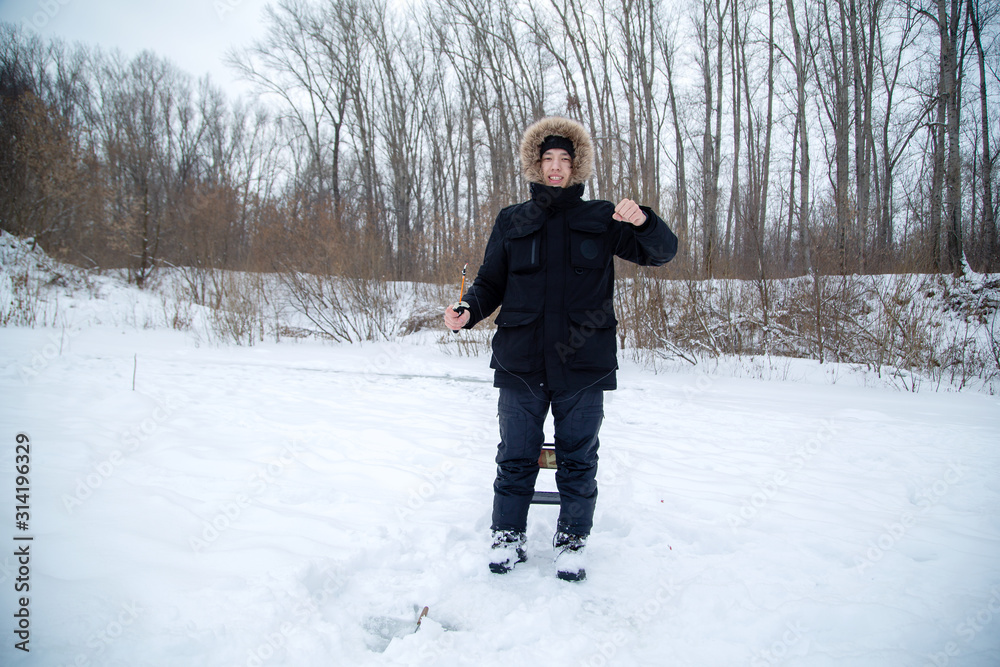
(557, 165)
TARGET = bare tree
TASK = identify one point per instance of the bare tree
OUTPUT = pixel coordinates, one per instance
(710, 30)
(864, 19)
(142, 114)
(949, 26)
(803, 54)
(977, 18)
(901, 120)
(305, 60)
(636, 21)
(836, 99)
(385, 140)
(43, 167)
(668, 49)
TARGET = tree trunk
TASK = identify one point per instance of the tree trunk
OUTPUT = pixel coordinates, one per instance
(668, 47)
(801, 77)
(950, 92)
(989, 227)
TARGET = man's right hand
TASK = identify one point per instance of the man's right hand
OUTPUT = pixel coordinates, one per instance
(454, 320)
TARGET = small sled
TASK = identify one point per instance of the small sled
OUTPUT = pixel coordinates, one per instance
(546, 460)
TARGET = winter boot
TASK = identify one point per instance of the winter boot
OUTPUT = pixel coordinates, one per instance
(508, 550)
(570, 560)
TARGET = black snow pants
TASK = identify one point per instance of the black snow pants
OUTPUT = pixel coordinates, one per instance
(577, 416)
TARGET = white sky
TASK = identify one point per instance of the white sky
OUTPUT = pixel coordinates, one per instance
(194, 34)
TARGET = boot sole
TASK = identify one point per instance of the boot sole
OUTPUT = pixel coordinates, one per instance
(500, 568)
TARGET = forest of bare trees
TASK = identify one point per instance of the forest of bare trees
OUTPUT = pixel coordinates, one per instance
(809, 137)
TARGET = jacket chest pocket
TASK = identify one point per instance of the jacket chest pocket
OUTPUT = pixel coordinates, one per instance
(525, 253)
(587, 250)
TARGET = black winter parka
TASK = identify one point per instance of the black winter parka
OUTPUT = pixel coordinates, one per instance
(549, 266)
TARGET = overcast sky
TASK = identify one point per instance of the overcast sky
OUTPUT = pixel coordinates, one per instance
(194, 34)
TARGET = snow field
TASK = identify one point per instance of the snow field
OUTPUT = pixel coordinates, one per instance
(298, 504)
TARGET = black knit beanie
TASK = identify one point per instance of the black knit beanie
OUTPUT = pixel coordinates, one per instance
(555, 141)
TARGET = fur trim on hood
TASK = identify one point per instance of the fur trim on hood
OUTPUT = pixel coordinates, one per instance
(583, 162)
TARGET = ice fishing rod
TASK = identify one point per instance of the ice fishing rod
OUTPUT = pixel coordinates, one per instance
(461, 290)
(461, 306)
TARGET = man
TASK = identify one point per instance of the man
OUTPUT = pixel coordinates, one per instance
(549, 266)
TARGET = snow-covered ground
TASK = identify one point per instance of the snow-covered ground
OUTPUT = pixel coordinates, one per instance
(299, 503)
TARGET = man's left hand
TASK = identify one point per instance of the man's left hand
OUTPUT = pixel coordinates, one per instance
(628, 211)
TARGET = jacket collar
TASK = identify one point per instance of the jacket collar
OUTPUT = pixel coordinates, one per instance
(551, 198)
(545, 200)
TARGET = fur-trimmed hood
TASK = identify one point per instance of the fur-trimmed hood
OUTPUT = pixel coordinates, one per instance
(583, 161)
